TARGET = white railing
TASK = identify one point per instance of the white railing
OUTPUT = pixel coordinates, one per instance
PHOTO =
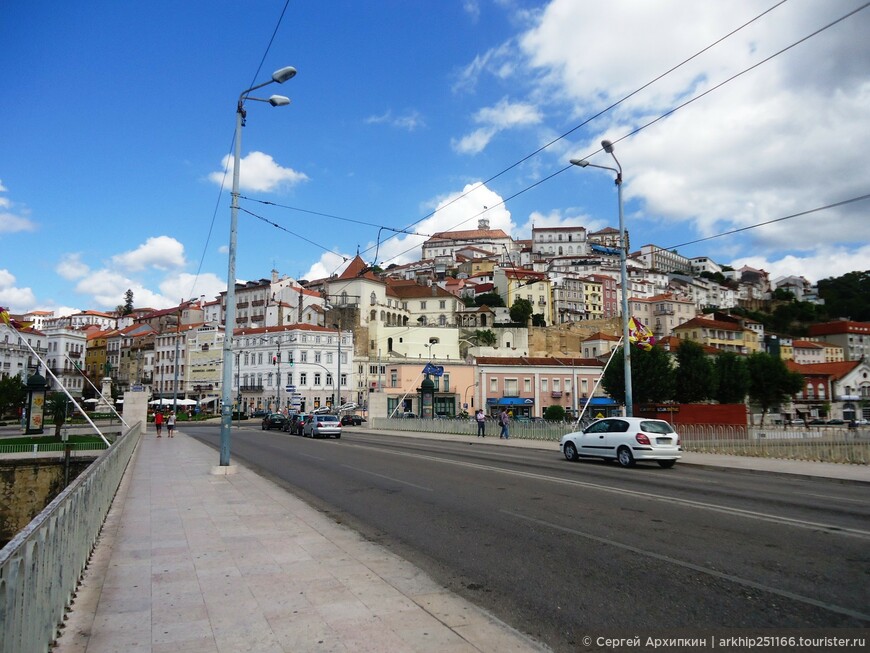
(823, 444)
(40, 567)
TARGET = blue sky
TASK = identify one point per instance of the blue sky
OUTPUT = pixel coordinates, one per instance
(118, 119)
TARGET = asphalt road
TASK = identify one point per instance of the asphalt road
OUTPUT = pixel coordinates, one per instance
(562, 550)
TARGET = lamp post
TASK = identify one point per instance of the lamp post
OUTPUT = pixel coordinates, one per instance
(338, 401)
(626, 344)
(279, 76)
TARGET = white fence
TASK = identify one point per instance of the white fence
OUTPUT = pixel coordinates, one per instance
(40, 567)
(824, 444)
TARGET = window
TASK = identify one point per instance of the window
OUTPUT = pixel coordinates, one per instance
(303, 378)
(511, 388)
(422, 306)
(543, 385)
(394, 379)
(442, 304)
(527, 385)
(317, 378)
(373, 299)
(493, 385)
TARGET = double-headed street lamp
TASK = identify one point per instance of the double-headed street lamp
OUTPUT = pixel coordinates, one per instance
(278, 77)
(626, 344)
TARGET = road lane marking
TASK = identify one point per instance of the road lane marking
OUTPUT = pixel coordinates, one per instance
(750, 514)
(389, 478)
(689, 565)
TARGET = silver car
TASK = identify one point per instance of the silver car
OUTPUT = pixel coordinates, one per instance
(625, 440)
(320, 426)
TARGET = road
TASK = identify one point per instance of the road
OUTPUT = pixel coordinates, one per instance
(560, 550)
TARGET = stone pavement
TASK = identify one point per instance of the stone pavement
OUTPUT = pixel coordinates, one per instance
(191, 562)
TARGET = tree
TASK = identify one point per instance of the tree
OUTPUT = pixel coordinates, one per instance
(538, 320)
(55, 410)
(554, 413)
(652, 376)
(771, 383)
(731, 379)
(489, 299)
(13, 394)
(128, 302)
(521, 311)
(693, 380)
(485, 337)
(847, 296)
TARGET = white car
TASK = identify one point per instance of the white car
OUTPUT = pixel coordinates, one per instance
(625, 440)
(318, 426)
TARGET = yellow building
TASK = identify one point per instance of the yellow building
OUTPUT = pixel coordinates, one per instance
(721, 334)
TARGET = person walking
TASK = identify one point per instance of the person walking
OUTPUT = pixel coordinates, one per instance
(158, 422)
(170, 424)
(480, 416)
(504, 419)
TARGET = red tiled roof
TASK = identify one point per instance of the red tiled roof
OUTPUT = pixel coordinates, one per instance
(538, 361)
(840, 326)
(836, 370)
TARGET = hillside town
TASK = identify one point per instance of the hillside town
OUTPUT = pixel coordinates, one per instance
(365, 339)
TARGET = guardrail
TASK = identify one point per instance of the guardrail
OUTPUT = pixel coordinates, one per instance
(40, 567)
(51, 447)
(824, 444)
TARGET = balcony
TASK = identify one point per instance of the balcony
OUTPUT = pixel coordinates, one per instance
(251, 387)
(555, 394)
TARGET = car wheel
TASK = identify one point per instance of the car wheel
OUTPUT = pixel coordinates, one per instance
(263, 427)
(667, 464)
(571, 452)
(338, 437)
(624, 457)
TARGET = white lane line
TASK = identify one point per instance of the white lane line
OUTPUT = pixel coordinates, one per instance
(825, 496)
(704, 570)
(750, 514)
(389, 478)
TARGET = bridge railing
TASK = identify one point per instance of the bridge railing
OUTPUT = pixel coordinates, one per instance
(41, 565)
(823, 444)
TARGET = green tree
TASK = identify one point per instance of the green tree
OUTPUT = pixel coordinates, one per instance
(56, 411)
(652, 376)
(771, 383)
(847, 296)
(485, 337)
(538, 320)
(13, 394)
(554, 413)
(489, 299)
(128, 302)
(521, 311)
(693, 380)
(731, 384)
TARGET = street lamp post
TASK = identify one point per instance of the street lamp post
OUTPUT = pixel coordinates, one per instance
(338, 402)
(279, 76)
(626, 344)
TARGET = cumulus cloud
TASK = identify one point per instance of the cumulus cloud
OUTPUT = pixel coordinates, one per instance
(409, 121)
(259, 172)
(71, 267)
(160, 252)
(823, 263)
(18, 300)
(499, 117)
(12, 222)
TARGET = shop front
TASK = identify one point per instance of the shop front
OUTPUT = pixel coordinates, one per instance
(516, 406)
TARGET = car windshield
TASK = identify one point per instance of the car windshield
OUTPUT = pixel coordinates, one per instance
(327, 418)
(656, 426)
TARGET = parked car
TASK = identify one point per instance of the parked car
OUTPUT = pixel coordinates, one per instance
(273, 421)
(352, 420)
(317, 426)
(816, 422)
(294, 423)
(260, 413)
(625, 440)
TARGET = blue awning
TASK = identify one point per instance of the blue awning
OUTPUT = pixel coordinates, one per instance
(510, 401)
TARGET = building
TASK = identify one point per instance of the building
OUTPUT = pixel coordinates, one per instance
(852, 337)
(721, 334)
(528, 386)
(662, 313)
(833, 390)
(491, 241)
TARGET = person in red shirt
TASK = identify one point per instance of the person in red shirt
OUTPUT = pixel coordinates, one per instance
(158, 422)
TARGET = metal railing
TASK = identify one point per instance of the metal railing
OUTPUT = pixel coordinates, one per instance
(51, 447)
(824, 444)
(40, 567)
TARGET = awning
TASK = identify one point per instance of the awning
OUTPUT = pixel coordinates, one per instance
(511, 401)
(208, 400)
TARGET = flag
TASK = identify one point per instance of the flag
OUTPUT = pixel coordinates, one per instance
(7, 319)
(640, 335)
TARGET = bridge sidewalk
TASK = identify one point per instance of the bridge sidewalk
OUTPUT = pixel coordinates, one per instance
(201, 563)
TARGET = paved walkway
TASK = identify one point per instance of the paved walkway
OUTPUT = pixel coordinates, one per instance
(194, 562)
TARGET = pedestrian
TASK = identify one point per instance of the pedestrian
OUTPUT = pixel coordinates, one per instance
(170, 424)
(158, 422)
(504, 419)
(481, 423)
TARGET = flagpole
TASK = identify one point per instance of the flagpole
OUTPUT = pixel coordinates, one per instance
(595, 387)
(99, 392)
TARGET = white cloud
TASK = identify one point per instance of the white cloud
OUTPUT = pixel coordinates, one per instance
(472, 8)
(160, 252)
(329, 264)
(17, 300)
(410, 121)
(784, 138)
(456, 211)
(499, 117)
(71, 267)
(10, 222)
(188, 286)
(824, 263)
(259, 172)
(556, 218)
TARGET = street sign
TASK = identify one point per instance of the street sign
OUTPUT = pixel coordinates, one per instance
(290, 388)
